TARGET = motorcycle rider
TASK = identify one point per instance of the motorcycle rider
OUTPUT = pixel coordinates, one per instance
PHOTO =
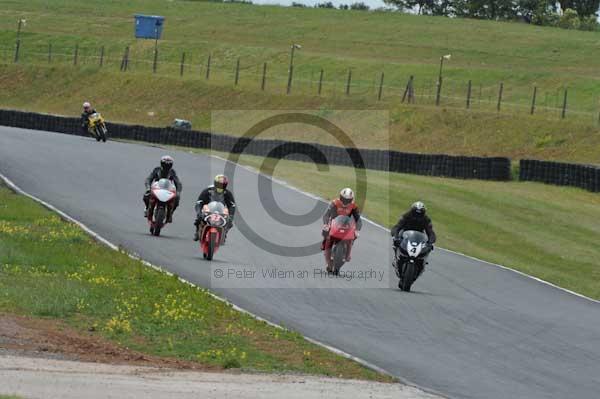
(85, 116)
(216, 192)
(415, 219)
(344, 205)
(164, 171)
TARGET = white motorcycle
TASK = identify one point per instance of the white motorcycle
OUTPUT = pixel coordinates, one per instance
(162, 197)
(411, 250)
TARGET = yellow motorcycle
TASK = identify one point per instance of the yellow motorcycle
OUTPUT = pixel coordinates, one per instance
(97, 127)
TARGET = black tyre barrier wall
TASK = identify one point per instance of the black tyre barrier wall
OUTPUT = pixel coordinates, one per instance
(561, 174)
(393, 161)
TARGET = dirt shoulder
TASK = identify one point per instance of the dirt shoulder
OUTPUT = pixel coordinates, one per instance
(45, 359)
(64, 379)
(25, 336)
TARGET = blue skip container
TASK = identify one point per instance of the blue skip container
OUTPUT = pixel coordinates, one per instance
(148, 26)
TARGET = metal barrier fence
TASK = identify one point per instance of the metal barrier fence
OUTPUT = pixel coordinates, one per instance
(496, 168)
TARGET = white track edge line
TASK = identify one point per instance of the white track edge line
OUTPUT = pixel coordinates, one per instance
(313, 196)
(114, 247)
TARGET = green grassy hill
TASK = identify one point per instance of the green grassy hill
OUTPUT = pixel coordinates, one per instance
(369, 43)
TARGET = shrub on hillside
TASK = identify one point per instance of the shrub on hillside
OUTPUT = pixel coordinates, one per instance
(569, 20)
(546, 16)
(589, 23)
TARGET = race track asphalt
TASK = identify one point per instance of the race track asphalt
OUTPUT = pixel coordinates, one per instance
(469, 329)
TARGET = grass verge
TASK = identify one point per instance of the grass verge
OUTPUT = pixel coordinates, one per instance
(157, 100)
(51, 269)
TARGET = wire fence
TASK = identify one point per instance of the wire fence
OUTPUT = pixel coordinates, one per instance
(274, 76)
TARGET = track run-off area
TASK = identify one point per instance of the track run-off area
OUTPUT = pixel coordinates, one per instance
(469, 330)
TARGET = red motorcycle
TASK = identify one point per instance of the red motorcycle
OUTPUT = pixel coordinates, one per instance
(342, 233)
(162, 196)
(212, 228)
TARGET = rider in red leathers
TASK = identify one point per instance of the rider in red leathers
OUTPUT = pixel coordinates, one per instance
(346, 206)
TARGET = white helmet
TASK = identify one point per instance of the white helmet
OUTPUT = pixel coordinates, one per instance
(87, 105)
(347, 196)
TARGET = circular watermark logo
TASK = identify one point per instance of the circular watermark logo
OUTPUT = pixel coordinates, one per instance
(322, 156)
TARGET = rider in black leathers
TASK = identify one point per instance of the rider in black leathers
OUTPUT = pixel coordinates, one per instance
(216, 192)
(164, 171)
(415, 219)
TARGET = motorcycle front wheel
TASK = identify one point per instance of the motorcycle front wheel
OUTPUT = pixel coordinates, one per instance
(159, 220)
(104, 133)
(100, 134)
(339, 257)
(212, 243)
(408, 277)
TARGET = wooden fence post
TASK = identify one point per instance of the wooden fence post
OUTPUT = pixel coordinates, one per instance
(17, 50)
(533, 100)
(500, 96)
(208, 66)
(379, 94)
(182, 64)
(564, 107)
(408, 91)
(155, 59)
(237, 72)
(469, 95)
(348, 81)
(405, 92)
(125, 60)
(438, 93)
(264, 77)
(102, 56)
(320, 82)
(289, 82)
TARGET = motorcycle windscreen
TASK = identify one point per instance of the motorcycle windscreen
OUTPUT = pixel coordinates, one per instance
(165, 184)
(342, 222)
(216, 207)
(414, 237)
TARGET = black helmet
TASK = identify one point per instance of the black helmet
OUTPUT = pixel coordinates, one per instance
(221, 182)
(166, 163)
(418, 208)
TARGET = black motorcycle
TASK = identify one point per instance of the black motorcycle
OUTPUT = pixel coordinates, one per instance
(411, 249)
